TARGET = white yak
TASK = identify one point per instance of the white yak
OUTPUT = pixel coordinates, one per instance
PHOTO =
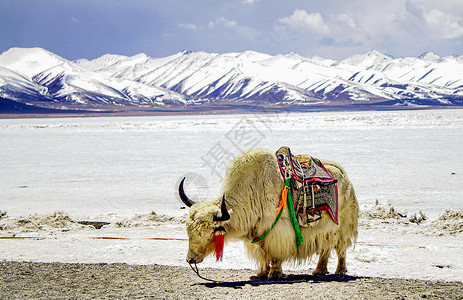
(246, 207)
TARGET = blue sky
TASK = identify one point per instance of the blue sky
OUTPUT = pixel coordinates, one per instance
(328, 28)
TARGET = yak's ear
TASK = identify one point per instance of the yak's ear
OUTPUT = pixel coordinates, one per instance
(223, 214)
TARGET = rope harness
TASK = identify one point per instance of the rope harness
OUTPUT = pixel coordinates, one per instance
(286, 201)
(196, 270)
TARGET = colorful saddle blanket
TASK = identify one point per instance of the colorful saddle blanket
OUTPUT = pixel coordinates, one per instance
(313, 188)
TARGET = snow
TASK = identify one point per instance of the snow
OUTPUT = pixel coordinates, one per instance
(125, 67)
(405, 166)
(366, 76)
(299, 72)
(431, 57)
(69, 80)
(10, 80)
(29, 61)
(370, 59)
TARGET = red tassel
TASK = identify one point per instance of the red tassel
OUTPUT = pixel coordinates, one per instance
(218, 243)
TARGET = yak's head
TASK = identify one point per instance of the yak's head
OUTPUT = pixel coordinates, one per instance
(205, 226)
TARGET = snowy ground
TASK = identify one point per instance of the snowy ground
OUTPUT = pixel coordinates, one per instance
(120, 169)
(387, 247)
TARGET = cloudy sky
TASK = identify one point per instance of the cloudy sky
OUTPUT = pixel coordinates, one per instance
(328, 28)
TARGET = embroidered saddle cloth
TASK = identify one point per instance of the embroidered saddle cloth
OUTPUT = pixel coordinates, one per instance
(313, 188)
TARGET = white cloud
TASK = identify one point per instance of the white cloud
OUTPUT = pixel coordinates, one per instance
(225, 22)
(347, 20)
(446, 25)
(438, 19)
(249, 1)
(233, 29)
(222, 22)
(188, 26)
(75, 20)
(301, 19)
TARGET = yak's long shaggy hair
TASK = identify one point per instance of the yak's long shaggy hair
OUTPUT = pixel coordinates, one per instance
(252, 190)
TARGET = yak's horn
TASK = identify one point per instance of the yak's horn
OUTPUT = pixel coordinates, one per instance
(223, 215)
(188, 202)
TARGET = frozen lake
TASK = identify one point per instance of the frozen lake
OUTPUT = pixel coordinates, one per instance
(113, 169)
(90, 166)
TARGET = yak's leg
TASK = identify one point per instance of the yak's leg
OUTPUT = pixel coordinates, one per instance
(258, 254)
(275, 269)
(322, 266)
(264, 269)
(341, 269)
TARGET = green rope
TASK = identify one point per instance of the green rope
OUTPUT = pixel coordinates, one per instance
(292, 215)
(268, 229)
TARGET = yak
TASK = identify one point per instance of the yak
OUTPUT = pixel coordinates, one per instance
(246, 207)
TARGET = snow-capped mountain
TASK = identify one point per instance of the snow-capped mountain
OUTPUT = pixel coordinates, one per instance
(42, 78)
(57, 82)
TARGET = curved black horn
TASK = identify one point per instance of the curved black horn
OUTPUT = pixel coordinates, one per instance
(188, 202)
(223, 215)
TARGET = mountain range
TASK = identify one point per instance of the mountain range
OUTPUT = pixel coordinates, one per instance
(34, 77)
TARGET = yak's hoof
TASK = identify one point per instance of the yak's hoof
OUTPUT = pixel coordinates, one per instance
(320, 272)
(276, 275)
(270, 277)
(341, 272)
(259, 277)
